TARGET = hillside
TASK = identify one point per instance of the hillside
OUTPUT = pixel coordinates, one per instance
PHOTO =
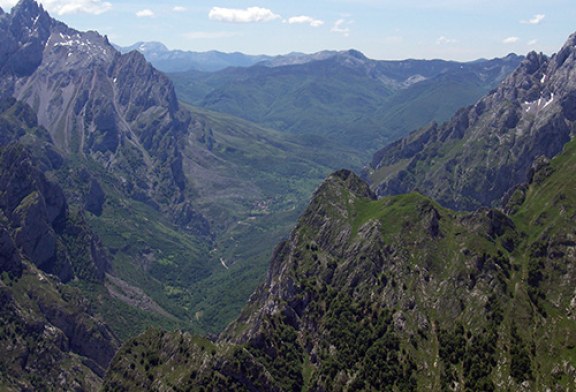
(49, 334)
(394, 294)
(402, 293)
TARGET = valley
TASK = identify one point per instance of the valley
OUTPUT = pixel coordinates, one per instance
(303, 222)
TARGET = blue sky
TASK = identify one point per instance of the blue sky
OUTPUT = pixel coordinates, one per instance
(382, 29)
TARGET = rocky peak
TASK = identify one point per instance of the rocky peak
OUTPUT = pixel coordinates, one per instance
(531, 113)
(348, 180)
(29, 19)
(356, 54)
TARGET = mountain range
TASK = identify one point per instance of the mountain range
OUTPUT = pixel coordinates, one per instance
(402, 293)
(478, 157)
(167, 60)
(344, 96)
(122, 146)
(122, 207)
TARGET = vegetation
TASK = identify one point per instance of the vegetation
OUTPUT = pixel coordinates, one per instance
(401, 294)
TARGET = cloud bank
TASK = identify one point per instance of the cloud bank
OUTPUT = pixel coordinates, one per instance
(248, 15)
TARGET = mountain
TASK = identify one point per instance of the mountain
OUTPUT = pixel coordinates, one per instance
(396, 293)
(186, 202)
(399, 292)
(479, 155)
(344, 96)
(49, 334)
(167, 60)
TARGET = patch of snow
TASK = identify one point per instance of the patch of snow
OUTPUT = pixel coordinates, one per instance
(115, 80)
(549, 101)
(223, 262)
(543, 78)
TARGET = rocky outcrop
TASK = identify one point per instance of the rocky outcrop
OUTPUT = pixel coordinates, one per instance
(479, 155)
(10, 261)
(49, 336)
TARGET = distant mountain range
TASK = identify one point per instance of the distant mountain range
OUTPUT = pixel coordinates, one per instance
(344, 96)
(167, 60)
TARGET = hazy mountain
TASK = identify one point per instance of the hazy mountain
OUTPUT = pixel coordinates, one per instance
(485, 150)
(167, 60)
(344, 96)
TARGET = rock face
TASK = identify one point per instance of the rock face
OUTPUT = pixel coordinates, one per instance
(36, 211)
(475, 158)
(48, 334)
(112, 108)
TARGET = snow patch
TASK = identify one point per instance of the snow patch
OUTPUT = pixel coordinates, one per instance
(549, 101)
(543, 78)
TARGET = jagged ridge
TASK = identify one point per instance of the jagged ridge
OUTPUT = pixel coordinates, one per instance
(485, 150)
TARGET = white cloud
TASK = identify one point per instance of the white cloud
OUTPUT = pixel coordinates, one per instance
(536, 19)
(210, 34)
(532, 42)
(179, 8)
(510, 40)
(305, 20)
(145, 13)
(7, 3)
(340, 26)
(248, 15)
(62, 7)
(445, 41)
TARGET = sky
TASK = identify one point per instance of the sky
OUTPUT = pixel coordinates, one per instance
(460, 30)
